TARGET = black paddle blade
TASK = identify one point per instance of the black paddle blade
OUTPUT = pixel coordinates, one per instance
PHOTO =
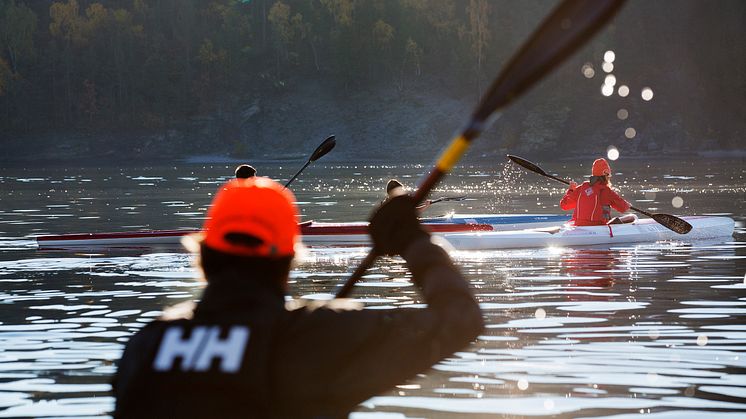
(673, 223)
(570, 25)
(527, 165)
(323, 148)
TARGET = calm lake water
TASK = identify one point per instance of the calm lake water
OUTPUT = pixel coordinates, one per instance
(656, 328)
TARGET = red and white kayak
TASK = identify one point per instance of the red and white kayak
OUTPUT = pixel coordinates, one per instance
(463, 232)
(640, 231)
(314, 233)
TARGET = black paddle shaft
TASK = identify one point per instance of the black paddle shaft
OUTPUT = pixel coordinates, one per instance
(569, 26)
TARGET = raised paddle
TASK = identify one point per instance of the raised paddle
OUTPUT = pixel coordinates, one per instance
(667, 220)
(569, 26)
(320, 151)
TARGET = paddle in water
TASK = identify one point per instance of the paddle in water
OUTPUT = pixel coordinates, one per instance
(569, 26)
(667, 220)
(320, 152)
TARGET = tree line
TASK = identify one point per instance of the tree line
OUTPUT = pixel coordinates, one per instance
(79, 64)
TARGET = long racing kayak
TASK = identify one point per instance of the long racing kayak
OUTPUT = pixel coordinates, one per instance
(642, 230)
(314, 233)
(464, 233)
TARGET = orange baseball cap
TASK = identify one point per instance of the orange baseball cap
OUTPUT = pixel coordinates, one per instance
(252, 217)
(601, 168)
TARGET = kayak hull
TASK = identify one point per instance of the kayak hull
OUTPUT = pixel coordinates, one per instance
(643, 230)
(314, 233)
(464, 232)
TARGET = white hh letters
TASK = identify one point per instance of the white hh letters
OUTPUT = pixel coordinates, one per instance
(202, 346)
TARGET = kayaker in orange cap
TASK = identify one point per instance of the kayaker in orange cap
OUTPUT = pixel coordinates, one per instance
(395, 188)
(245, 171)
(593, 199)
(241, 352)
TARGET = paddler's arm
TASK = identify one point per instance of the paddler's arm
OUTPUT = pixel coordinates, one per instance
(356, 355)
(570, 199)
(617, 202)
(446, 293)
(401, 343)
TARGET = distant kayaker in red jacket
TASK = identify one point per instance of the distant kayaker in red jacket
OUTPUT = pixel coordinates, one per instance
(593, 199)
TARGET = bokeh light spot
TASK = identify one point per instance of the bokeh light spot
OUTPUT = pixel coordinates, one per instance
(522, 384)
(612, 153)
(622, 114)
(677, 202)
(609, 56)
(607, 90)
(540, 314)
(702, 340)
(623, 90)
(607, 67)
(630, 133)
(610, 80)
(588, 70)
(647, 94)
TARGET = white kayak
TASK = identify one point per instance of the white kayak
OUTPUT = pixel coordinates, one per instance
(642, 230)
(313, 233)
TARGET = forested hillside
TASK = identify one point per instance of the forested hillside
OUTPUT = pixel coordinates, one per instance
(91, 67)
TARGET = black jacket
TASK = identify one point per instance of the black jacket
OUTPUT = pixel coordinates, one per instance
(244, 354)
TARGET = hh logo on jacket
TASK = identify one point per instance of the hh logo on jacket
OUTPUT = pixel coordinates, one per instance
(200, 348)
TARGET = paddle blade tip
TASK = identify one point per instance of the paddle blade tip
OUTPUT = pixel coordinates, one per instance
(324, 148)
(527, 164)
(674, 223)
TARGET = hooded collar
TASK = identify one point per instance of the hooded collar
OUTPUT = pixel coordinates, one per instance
(233, 292)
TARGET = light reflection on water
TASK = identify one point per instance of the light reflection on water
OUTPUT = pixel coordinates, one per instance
(571, 332)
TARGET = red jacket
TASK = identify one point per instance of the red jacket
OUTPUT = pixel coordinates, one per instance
(592, 203)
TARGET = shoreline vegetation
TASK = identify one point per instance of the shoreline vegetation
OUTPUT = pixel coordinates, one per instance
(114, 81)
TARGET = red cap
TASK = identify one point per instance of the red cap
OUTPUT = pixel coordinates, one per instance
(601, 168)
(252, 217)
